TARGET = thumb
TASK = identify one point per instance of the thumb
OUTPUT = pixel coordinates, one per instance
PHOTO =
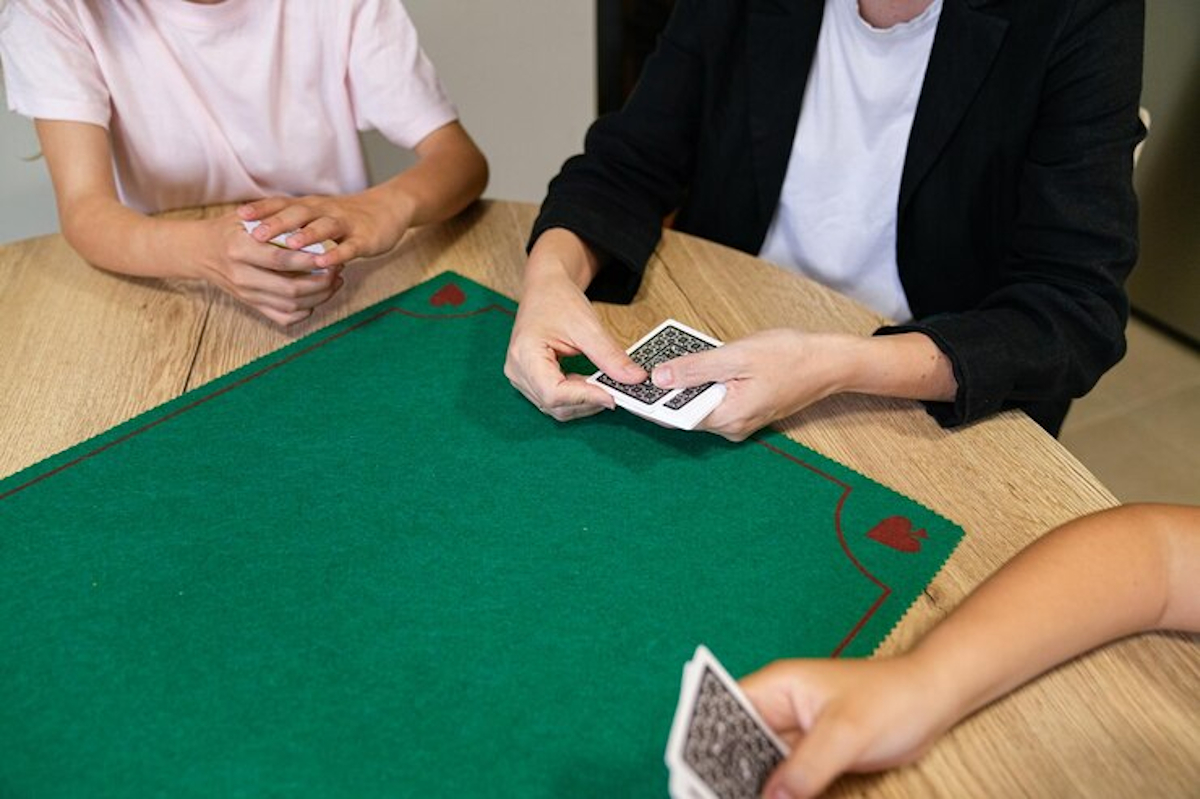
(695, 370)
(611, 359)
(829, 748)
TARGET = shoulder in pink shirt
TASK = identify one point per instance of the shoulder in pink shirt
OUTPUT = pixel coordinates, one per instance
(225, 102)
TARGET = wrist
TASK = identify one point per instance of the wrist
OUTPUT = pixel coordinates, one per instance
(169, 248)
(397, 205)
(839, 360)
(945, 695)
(560, 254)
(908, 365)
(202, 239)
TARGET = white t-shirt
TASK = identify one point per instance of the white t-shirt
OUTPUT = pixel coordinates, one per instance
(836, 219)
(225, 102)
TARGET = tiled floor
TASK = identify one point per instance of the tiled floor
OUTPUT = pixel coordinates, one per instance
(1138, 431)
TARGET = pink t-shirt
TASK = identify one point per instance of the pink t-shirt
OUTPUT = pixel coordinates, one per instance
(225, 102)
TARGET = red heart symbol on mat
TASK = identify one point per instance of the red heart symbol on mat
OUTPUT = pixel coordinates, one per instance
(449, 294)
(897, 532)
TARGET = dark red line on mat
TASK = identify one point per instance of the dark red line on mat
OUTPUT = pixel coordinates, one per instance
(886, 590)
(242, 381)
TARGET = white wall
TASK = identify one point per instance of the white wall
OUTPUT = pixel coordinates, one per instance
(523, 76)
(26, 199)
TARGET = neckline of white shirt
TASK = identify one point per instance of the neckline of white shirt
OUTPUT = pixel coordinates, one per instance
(912, 27)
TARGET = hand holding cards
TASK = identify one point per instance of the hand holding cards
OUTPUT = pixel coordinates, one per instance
(682, 407)
(719, 747)
(318, 248)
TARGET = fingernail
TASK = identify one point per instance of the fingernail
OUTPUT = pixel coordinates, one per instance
(319, 271)
(662, 377)
(780, 793)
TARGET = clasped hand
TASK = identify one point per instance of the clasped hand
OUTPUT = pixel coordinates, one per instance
(285, 284)
(360, 225)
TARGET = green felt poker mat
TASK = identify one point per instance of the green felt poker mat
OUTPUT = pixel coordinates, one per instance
(364, 565)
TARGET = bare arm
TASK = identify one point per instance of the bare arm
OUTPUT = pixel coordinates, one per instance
(1093, 580)
(93, 220)
(772, 374)
(278, 283)
(907, 365)
(449, 175)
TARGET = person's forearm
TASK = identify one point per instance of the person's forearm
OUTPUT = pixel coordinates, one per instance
(95, 222)
(559, 252)
(445, 180)
(1091, 581)
(908, 365)
(118, 239)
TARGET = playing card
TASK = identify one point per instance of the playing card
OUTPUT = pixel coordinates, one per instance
(683, 408)
(683, 787)
(280, 241)
(719, 747)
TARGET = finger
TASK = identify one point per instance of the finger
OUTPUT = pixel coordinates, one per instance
(770, 690)
(716, 365)
(726, 421)
(281, 318)
(539, 377)
(565, 397)
(286, 286)
(609, 358)
(575, 398)
(260, 208)
(274, 259)
(291, 304)
(320, 229)
(829, 749)
(340, 253)
(290, 285)
(284, 220)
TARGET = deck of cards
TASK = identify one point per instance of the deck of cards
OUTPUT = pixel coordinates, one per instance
(318, 248)
(719, 747)
(681, 407)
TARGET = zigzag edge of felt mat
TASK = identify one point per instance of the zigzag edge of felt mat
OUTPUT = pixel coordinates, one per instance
(911, 607)
(772, 439)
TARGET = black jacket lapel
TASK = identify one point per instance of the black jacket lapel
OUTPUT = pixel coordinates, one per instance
(964, 47)
(781, 40)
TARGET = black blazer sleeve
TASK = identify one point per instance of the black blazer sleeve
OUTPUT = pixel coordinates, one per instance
(1053, 318)
(637, 163)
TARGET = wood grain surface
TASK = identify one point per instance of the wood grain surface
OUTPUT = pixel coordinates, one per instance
(82, 350)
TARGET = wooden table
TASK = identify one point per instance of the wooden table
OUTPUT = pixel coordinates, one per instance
(82, 350)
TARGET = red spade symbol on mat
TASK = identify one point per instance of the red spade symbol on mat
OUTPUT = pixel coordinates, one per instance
(449, 294)
(897, 532)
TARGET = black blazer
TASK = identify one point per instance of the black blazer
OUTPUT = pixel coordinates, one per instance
(1017, 220)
